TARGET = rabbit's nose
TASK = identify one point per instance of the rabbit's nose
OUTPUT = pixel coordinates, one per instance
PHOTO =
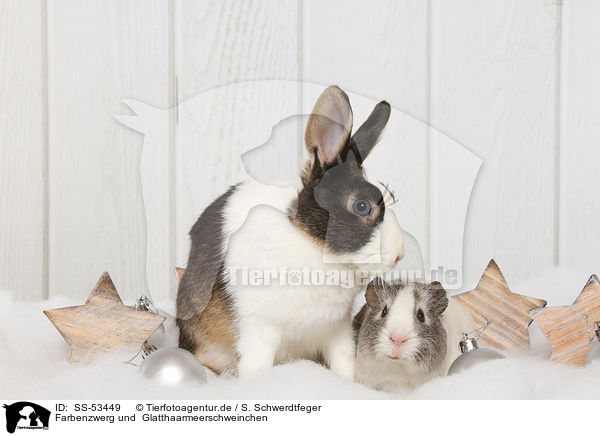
(397, 259)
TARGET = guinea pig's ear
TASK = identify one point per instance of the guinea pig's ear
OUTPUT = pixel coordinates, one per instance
(329, 125)
(373, 293)
(368, 134)
(439, 298)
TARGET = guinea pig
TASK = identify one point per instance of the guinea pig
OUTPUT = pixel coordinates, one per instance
(406, 334)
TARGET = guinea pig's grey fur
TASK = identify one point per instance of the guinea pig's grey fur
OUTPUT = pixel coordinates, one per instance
(415, 312)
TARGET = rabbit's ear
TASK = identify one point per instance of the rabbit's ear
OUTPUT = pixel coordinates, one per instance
(368, 134)
(329, 125)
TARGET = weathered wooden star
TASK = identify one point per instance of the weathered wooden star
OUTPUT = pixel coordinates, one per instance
(568, 327)
(103, 324)
(178, 274)
(507, 312)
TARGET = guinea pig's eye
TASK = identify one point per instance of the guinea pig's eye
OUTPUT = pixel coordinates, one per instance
(384, 312)
(361, 207)
(421, 316)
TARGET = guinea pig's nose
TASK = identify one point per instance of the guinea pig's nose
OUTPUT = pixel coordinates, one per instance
(396, 340)
(397, 259)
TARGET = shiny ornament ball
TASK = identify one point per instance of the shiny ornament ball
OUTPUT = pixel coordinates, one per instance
(173, 366)
(470, 358)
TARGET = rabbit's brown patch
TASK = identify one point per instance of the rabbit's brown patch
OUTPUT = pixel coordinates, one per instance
(215, 335)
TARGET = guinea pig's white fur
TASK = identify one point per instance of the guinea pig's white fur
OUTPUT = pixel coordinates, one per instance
(279, 322)
(382, 373)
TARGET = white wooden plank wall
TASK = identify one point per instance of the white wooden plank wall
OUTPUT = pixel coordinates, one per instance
(493, 90)
(579, 195)
(22, 149)
(515, 82)
(99, 53)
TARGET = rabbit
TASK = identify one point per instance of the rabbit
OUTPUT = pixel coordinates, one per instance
(407, 334)
(335, 214)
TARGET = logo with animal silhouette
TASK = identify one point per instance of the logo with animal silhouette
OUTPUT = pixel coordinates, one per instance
(26, 415)
(255, 130)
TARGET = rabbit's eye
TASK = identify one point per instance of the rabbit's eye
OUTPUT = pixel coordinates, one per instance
(421, 316)
(361, 207)
(384, 312)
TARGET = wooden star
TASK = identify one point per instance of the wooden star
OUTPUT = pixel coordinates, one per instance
(507, 312)
(568, 327)
(178, 274)
(103, 324)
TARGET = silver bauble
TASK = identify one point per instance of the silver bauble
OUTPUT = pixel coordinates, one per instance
(472, 355)
(172, 366)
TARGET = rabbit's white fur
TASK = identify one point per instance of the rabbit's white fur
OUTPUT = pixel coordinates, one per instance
(277, 323)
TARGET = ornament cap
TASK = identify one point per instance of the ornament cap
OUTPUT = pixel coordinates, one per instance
(147, 350)
(468, 344)
(142, 303)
